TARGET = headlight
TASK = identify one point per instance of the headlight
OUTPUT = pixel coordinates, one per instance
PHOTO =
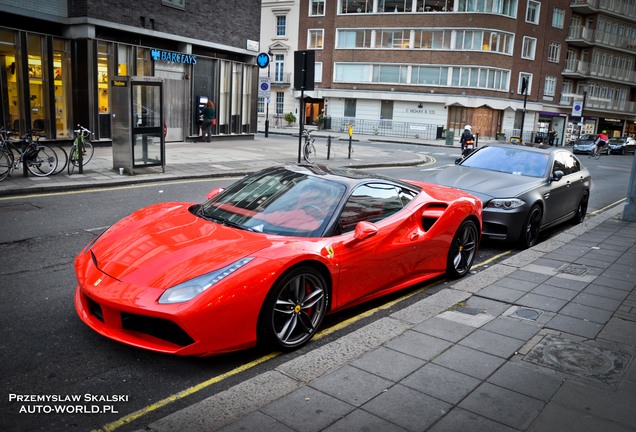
(188, 290)
(505, 203)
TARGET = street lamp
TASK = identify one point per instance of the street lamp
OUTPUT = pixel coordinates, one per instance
(269, 53)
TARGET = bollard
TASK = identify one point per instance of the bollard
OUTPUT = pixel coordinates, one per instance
(328, 146)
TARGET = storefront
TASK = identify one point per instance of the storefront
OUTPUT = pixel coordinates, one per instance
(50, 83)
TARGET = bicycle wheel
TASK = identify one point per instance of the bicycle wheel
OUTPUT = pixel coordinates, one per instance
(88, 152)
(5, 165)
(309, 152)
(72, 159)
(62, 158)
(597, 154)
(43, 163)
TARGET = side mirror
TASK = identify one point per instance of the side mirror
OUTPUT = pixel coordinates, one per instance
(363, 231)
(214, 192)
(458, 160)
(557, 175)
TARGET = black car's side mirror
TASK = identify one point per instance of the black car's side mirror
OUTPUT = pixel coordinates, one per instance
(557, 175)
(458, 160)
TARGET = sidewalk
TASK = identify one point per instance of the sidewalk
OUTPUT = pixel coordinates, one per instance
(229, 157)
(543, 341)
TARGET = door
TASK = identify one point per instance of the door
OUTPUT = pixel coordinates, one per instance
(147, 124)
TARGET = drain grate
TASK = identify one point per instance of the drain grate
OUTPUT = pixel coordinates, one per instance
(579, 359)
(529, 314)
(573, 269)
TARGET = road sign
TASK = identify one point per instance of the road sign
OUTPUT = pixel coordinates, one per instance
(262, 60)
(264, 87)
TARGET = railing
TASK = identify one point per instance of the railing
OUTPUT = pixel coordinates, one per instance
(600, 37)
(281, 79)
(387, 128)
(620, 7)
(594, 70)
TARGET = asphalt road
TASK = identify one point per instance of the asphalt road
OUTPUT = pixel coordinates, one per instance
(47, 350)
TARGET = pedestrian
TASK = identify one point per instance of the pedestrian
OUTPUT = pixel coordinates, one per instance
(551, 136)
(209, 120)
(467, 139)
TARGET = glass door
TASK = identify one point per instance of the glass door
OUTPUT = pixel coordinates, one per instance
(147, 121)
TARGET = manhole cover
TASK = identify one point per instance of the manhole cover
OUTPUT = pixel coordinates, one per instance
(529, 314)
(579, 359)
(573, 269)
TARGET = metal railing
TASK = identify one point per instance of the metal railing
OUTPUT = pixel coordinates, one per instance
(386, 128)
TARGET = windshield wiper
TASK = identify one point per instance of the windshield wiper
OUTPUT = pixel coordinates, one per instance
(222, 221)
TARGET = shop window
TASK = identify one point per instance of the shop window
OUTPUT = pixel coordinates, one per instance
(11, 102)
(144, 62)
(37, 85)
(62, 86)
(124, 53)
(103, 72)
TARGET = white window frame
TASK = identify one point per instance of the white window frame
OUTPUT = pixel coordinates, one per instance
(558, 18)
(280, 18)
(318, 72)
(521, 76)
(529, 48)
(554, 52)
(317, 5)
(549, 87)
(280, 103)
(312, 41)
(533, 11)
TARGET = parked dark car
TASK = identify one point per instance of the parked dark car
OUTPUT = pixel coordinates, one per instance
(524, 189)
(621, 145)
(585, 144)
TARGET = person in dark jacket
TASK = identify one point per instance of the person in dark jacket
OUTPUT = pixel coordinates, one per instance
(209, 114)
(467, 137)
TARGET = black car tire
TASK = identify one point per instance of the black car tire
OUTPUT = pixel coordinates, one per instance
(463, 250)
(294, 309)
(581, 210)
(531, 228)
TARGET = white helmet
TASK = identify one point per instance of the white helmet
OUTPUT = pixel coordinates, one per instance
(468, 127)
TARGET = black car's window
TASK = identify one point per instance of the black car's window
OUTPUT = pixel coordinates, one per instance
(567, 163)
(372, 203)
(509, 160)
(278, 202)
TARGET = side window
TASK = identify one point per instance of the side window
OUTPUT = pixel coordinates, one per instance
(572, 164)
(559, 163)
(372, 203)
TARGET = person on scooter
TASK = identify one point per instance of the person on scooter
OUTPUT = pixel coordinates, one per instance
(467, 140)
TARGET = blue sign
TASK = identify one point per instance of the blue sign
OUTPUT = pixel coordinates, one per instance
(262, 60)
(173, 57)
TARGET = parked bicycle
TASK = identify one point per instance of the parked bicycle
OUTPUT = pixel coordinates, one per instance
(309, 151)
(40, 160)
(82, 149)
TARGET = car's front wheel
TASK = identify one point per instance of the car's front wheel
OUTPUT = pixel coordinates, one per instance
(532, 227)
(463, 250)
(294, 309)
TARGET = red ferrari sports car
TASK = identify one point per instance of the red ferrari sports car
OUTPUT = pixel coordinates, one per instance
(267, 258)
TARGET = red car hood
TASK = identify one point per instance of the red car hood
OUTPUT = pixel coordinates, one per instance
(163, 245)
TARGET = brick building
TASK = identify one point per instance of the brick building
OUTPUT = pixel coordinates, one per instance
(418, 67)
(59, 59)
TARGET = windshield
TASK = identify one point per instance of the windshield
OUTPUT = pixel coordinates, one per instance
(509, 160)
(277, 202)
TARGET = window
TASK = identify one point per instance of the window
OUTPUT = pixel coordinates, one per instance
(372, 203)
(314, 39)
(281, 25)
(279, 68)
(356, 6)
(558, 18)
(528, 79)
(350, 107)
(529, 47)
(354, 39)
(393, 39)
(260, 105)
(429, 39)
(549, 88)
(316, 7)
(317, 71)
(554, 52)
(280, 103)
(532, 13)
(179, 4)
(394, 5)
(566, 92)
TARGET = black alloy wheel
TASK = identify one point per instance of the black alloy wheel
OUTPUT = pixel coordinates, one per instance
(463, 250)
(581, 211)
(532, 227)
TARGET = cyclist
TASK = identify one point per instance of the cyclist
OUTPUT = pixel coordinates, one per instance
(601, 140)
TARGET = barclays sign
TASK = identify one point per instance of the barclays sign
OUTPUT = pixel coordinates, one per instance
(173, 57)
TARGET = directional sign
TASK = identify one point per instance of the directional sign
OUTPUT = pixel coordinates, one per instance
(262, 60)
(264, 90)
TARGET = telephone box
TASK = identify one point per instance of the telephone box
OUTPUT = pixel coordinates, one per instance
(138, 131)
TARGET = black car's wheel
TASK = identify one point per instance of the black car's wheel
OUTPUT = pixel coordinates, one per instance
(581, 211)
(294, 309)
(530, 232)
(463, 250)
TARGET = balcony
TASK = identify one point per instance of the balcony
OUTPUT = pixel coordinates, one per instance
(582, 36)
(581, 69)
(620, 8)
(281, 80)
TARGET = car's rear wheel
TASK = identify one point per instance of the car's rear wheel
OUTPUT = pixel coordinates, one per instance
(294, 309)
(463, 250)
(532, 227)
(581, 211)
